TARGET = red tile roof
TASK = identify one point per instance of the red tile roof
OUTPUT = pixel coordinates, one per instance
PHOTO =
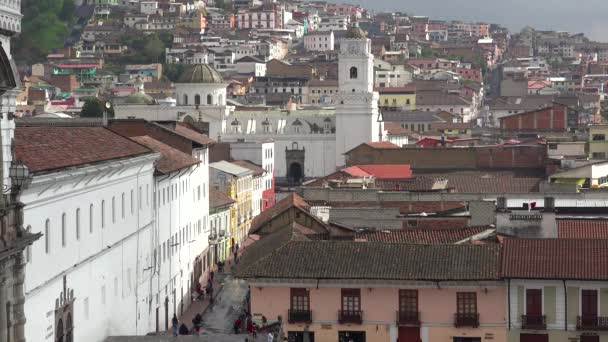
(46, 148)
(582, 228)
(186, 131)
(583, 259)
(171, 159)
(397, 171)
(218, 199)
(422, 236)
(382, 144)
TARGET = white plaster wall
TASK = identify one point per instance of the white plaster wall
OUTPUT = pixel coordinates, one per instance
(216, 90)
(182, 233)
(113, 256)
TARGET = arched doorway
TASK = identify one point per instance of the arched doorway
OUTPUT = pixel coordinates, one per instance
(296, 173)
(197, 99)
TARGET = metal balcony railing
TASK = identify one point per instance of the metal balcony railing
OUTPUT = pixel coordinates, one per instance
(299, 316)
(591, 323)
(411, 318)
(462, 319)
(350, 316)
(533, 322)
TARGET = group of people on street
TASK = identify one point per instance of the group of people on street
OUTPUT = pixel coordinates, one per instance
(183, 329)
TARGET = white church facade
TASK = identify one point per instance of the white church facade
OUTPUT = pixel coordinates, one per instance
(309, 143)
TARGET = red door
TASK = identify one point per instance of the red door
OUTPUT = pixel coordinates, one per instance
(589, 307)
(533, 338)
(409, 334)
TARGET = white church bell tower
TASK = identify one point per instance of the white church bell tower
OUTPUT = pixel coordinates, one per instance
(357, 116)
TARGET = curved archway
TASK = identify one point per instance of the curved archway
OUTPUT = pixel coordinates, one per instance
(296, 173)
(209, 99)
(185, 99)
(197, 99)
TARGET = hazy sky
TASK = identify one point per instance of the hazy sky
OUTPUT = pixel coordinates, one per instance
(588, 16)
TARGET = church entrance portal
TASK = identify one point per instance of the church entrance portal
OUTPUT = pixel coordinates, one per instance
(294, 160)
(295, 174)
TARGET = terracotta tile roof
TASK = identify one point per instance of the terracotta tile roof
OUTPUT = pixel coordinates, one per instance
(382, 144)
(293, 200)
(47, 148)
(422, 236)
(289, 258)
(171, 159)
(186, 131)
(582, 228)
(257, 170)
(218, 199)
(396, 171)
(584, 259)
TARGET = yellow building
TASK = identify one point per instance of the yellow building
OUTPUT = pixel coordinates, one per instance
(236, 182)
(401, 98)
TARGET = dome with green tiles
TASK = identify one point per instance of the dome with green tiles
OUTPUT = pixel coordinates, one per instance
(200, 73)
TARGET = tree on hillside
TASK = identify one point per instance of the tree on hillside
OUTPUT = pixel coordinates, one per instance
(154, 49)
(94, 108)
(45, 25)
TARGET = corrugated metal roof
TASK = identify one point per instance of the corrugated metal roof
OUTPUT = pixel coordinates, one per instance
(231, 168)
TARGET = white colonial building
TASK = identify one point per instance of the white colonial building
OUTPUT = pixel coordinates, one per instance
(90, 274)
(124, 213)
(309, 142)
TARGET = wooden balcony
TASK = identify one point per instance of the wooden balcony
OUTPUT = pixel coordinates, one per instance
(462, 319)
(408, 318)
(299, 316)
(591, 323)
(533, 322)
(351, 316)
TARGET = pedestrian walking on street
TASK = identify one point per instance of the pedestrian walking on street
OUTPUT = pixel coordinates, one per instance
(237, 325)
(270, 337)
(174, 324)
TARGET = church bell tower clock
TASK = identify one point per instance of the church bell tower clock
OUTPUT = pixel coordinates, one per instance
(357, 117)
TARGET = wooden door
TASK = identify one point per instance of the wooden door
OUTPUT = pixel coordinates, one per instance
(409, 334)
(589, 303)
(534, 305)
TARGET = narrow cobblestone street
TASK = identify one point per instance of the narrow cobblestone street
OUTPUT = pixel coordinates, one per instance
(219, 318)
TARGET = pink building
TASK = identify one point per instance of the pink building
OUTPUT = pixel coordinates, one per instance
(376, 291)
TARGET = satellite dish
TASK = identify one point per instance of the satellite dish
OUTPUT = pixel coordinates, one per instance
(108, 105)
